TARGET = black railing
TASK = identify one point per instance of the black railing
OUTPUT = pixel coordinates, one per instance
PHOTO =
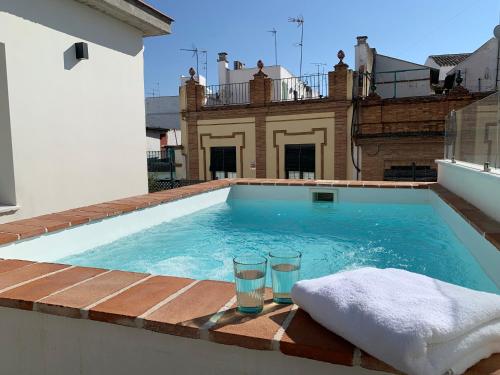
(402, 83)
(228, 94)
(411, 173)
(165, 184)
(161, 161)
(314, 86)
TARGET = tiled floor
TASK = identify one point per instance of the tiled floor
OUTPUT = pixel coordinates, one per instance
(184, 307)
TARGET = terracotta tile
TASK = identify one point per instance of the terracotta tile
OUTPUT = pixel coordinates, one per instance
(7, 238)
(88, 215)
(72, 220)
(306, 338)
(327, 183)
(488, 366)
(70, 302)
(29, 272)
(372, 363)
(494, 238)
(356, 184)
(187, 313)
(12, 264)
(310, 183)
(117, 208)
(424, 185)
(251, 331)
(24, 231)
(340, 184)
(137, 203)
(24, 296)
(370, 184)
(456, 202)
(480, 221)
(102, 208)
(49, 225)
(126, 306)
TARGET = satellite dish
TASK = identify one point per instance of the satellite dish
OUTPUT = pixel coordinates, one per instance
(496, 31)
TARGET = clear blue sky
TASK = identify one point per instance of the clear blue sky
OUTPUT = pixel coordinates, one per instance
(407, 30)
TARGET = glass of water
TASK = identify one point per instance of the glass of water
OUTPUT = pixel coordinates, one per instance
(285, 269)
(250, 276)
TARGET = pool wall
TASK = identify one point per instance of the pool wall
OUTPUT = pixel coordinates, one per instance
(59, 317)
(35, 343)
(51, 247)
(64, 243)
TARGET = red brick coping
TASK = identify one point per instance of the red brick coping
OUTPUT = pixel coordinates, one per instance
(158, 303)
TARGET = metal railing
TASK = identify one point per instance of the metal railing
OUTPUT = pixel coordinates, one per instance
(165, 184)
(314, 86)
(227, 94)
(472, 134)
(401, 83)
(161, 161)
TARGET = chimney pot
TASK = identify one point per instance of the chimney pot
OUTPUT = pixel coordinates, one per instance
(361, 39)
(222, 56)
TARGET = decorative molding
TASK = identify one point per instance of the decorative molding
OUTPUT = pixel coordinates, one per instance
(232, 136)
(311, 132)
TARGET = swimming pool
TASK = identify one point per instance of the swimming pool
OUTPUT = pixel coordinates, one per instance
(331, 236)
(401, 229)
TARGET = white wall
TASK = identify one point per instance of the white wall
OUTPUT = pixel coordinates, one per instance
(35, 343)
(481, 64)
(443, 70)
(404, 88)
(70, 120)
(469, 182)
(152, 140)
(7, 184)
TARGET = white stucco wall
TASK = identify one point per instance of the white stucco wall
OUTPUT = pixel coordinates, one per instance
(411, 83)
(7, 186)
(471, 183)
(78, 133)
(153, 140)
(443, 70)
(482, 64)
(35, 343)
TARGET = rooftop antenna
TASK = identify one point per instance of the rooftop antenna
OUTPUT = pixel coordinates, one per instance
(196, 53)
(205, 65)
(274, 32)
(300, 23)
(155, 91)
(319, 65)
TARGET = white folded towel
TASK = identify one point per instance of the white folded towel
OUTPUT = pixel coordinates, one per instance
(416, 324)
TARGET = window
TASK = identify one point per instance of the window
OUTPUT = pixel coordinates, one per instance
(7, 186)
(223, 162)
(300, 161)
(411, 172)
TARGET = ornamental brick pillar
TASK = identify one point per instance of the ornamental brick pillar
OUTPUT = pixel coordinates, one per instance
(340, 85)
(340, 81)
(260, 87)
(195, 97)
(195, 93)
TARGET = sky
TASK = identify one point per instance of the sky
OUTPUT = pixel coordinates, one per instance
(399, 28)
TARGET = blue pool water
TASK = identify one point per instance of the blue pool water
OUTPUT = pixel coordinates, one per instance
(332, 237)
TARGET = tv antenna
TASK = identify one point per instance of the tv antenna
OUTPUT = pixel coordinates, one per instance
(155, 91)
(318, 66)
(274, 32)
(196, 52)
(300, 23)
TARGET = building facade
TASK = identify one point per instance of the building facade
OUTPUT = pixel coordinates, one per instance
(269, 137)
(72, 102)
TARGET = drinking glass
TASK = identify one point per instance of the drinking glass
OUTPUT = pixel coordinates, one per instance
(250, 276)
(285, 269)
